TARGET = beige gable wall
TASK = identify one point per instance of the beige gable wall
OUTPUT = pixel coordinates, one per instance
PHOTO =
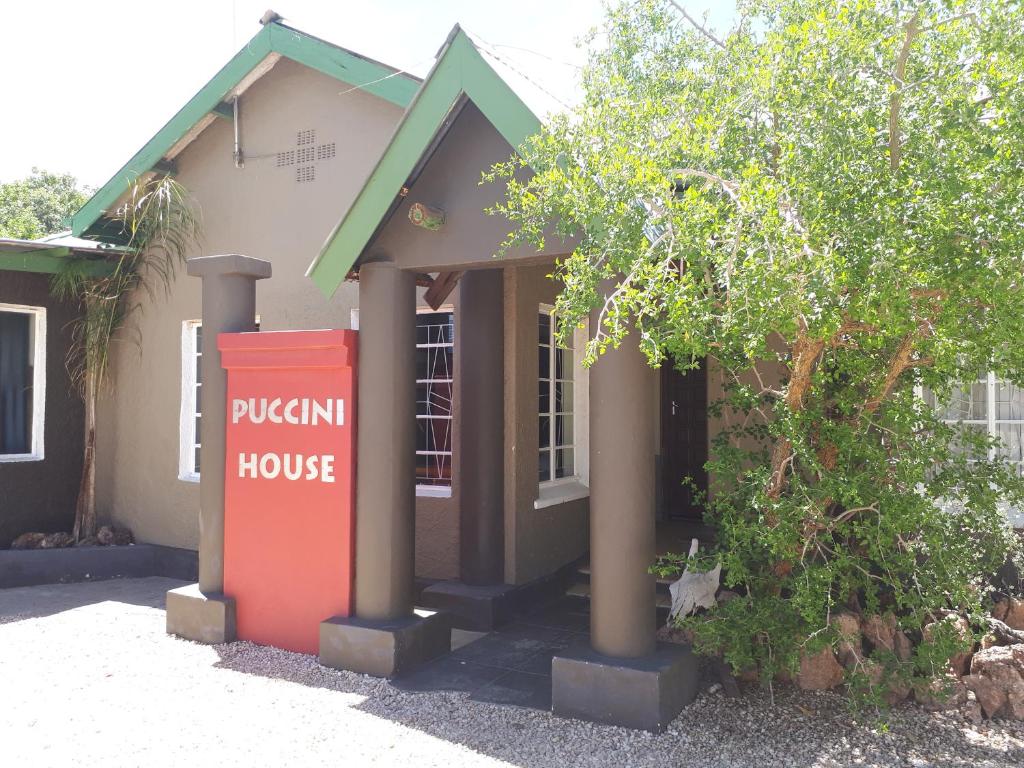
(258, 210)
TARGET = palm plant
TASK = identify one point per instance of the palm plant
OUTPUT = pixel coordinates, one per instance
(158, 224)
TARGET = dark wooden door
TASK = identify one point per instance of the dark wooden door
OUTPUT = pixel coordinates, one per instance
(684, 439)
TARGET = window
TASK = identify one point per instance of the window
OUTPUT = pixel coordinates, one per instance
(22, 382)
(561, 412)
(992, 406)
(435, 371)
(191, 399)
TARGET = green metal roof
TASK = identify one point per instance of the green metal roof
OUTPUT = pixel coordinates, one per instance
(340, 63)
(52, 255)
(460, 70)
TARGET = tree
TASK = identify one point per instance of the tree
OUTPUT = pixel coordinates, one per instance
(836, 188)
(159, 224)
(37, 206)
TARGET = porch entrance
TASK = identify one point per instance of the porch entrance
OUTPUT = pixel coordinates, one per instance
(684, 441)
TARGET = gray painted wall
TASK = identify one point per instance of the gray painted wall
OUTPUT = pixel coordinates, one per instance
(41, 495)
(259, 210)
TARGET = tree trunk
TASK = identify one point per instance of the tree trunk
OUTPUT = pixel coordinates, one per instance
(85, 509)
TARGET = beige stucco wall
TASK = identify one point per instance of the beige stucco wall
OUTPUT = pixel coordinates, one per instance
(537, 541)
(259, 210)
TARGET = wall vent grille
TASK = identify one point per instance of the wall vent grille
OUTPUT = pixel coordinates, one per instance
(305, 137)
(304, 173)
(325, 151)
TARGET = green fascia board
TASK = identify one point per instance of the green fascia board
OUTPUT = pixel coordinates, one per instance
(312, 52)
(460, 70)
(51, 261)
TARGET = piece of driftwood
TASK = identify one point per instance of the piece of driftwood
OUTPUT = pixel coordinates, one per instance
(694, 590)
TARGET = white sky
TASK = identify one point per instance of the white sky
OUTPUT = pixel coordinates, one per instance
(87, 83)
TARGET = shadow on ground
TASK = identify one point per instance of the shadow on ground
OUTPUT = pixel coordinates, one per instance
(18, 603)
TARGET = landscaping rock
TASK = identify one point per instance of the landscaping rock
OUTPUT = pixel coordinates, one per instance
(28, 541)
(997, 679)
(942, 694)
(894, 688)
(671, 634)
(850, 647)
(123, 536)
(903, 647)
(88, 541)
(57, 540)
(971, 710)
(960, 663)
(105, 535)
(1011, 612)
(880, 631)
(819, 671)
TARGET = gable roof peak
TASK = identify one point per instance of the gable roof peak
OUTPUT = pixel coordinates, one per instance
(274, 41)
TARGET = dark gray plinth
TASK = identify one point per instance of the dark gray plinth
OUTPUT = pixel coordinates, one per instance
(31, 567)
(477, 608)
(384, 648)
(645, 693)
(204, 618)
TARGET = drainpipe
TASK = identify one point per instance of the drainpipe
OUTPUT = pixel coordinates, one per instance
(239, 158)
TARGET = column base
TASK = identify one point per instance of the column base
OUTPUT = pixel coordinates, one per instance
(384, 648)
(644, 693)
(204, 618)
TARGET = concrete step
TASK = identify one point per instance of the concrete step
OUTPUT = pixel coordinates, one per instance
(582, 589)
(662, 581)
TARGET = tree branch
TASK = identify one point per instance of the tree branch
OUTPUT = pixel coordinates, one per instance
(699, 27)
(896, 99)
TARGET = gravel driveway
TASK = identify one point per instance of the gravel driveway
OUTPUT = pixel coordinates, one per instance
(88, 677)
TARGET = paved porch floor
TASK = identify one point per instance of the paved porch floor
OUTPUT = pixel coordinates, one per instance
(511, 665)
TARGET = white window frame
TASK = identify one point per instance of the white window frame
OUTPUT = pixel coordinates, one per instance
(425, 491)
(188, 439)
(38, 339)
(991, 423)
(577, 486)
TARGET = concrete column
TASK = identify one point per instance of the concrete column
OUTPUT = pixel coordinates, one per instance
(481, 446)
(387, 636)
(622, 548)
(624, 677)
(386, 470)
(201, 612)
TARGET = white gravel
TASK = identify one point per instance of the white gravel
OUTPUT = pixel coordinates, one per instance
(88, 677)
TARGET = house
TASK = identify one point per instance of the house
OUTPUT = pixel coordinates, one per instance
(518, 450)
(41, 411)
(328, 165)
(314, 122)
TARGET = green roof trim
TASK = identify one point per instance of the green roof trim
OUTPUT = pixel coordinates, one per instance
(460, 70)
(51, 261)
(371, 76)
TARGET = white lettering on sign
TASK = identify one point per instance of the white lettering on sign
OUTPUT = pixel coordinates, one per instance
(293, 466)
(299, 410)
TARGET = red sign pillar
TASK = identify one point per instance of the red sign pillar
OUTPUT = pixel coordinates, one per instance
(289, 487)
